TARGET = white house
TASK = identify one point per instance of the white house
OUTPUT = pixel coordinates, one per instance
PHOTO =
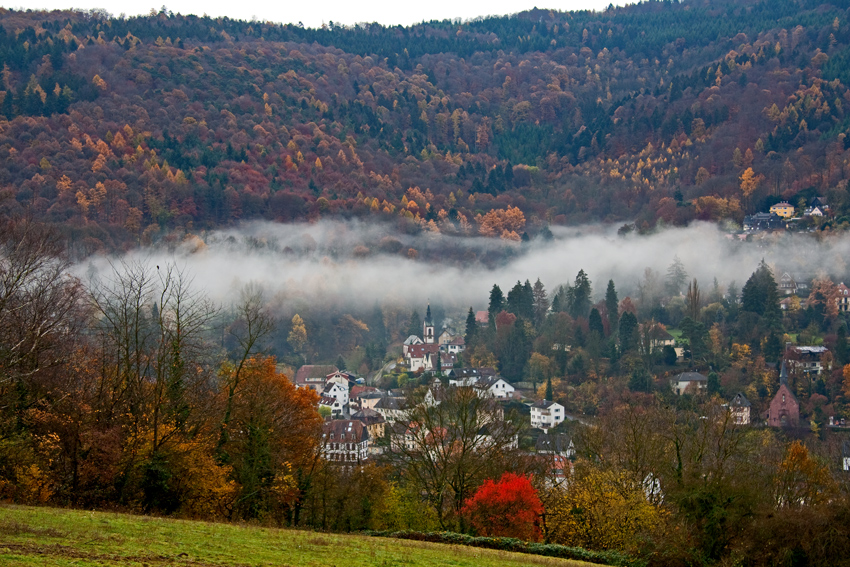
(493, 387)
(690, 382)
(337, 391)
(846, 456)
(740, 408)
(546, 414)
(332, 404)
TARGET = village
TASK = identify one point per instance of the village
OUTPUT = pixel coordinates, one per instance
(365, 423)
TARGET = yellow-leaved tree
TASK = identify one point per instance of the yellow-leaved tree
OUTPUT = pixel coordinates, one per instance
(600, 509)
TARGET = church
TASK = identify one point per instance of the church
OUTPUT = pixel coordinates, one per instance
(430, 352)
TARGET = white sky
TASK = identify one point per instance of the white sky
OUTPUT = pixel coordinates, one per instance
(387, 12)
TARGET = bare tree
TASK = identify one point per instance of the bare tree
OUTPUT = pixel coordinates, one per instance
(453, 440)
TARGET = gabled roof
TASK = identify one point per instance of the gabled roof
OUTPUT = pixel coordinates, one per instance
(544, 404)
(360, 391)
(387, 403)
(314, 372)
(345, 430)
(327, 401)
(420, 351)
(482, 317)
(740, 400)
(488, 381)
(412, 340)
(691, 377)
(464, 373)
(369, 417)
(552, 443)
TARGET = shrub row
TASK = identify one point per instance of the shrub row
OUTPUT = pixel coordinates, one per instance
(614, 558)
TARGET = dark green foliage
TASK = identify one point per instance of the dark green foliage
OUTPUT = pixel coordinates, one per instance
(713, 385)
(579, 296)
(549, 395)
(640, 379)
(842, 353)
(668, 355)
(471, 328)
(415, 325)
(521, 301)
(612, 305)
(773, 347)
(628, 332)
(760, 294)
(518, 546)
(497, 300)
(595, 324)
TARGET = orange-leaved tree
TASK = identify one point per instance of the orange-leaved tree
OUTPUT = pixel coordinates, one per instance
(508, 507)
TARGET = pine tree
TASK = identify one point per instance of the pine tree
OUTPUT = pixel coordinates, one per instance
(415, 325)
(471, 328)
(595, 323)
(497, 300)
(579, 296)
(549, 395)
(541, 302)
(612, 306)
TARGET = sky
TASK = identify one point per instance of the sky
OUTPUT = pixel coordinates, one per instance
(387, 12)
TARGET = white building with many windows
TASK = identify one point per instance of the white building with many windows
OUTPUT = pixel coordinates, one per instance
(546, 414)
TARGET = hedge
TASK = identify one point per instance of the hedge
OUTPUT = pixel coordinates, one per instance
(615, 558)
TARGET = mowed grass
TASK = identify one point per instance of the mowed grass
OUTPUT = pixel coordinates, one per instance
(57, 537)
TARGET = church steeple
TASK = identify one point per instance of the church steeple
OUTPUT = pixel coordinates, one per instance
(428, 327)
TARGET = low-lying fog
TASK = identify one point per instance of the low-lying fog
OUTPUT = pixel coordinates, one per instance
(347, 261)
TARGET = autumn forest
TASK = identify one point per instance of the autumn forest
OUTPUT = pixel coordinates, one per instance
(394, 170)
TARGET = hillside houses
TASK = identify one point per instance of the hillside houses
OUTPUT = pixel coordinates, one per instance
(432, 352)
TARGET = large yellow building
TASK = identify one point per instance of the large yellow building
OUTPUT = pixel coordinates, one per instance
(783, 209)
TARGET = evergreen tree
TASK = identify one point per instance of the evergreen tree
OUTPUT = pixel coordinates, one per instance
(628, 331)
(549, 395)
(541, 302)
(340, 362)
(713, 384)
(842, 353)
(579, 296)
(521, 301)
(497, 300)
(676, 277)
(772, 347)
(595, 323)
(415, 325)
(471, 328)
(640, 379)
(612, 306)
(760, 294)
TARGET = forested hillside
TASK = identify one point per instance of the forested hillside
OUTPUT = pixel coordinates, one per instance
(124, 130)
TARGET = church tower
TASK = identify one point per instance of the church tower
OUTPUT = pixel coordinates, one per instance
(428, 328)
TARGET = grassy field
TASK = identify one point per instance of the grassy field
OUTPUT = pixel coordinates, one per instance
(55, 537)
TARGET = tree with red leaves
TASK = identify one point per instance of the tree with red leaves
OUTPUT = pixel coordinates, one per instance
(508, 507)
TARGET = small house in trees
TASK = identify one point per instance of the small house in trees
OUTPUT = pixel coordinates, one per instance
(812, 212)
(783, 209)
(496, 435)
(762, 221)
(546, 414)
(314, 376)
(659, 338)
(555, 444)
(784, 411)
(807, 359)
(845, 456)
(493, 387)
(740, 408)
(689, 383)
(843, 298)
(374, 422)
(345, 441)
